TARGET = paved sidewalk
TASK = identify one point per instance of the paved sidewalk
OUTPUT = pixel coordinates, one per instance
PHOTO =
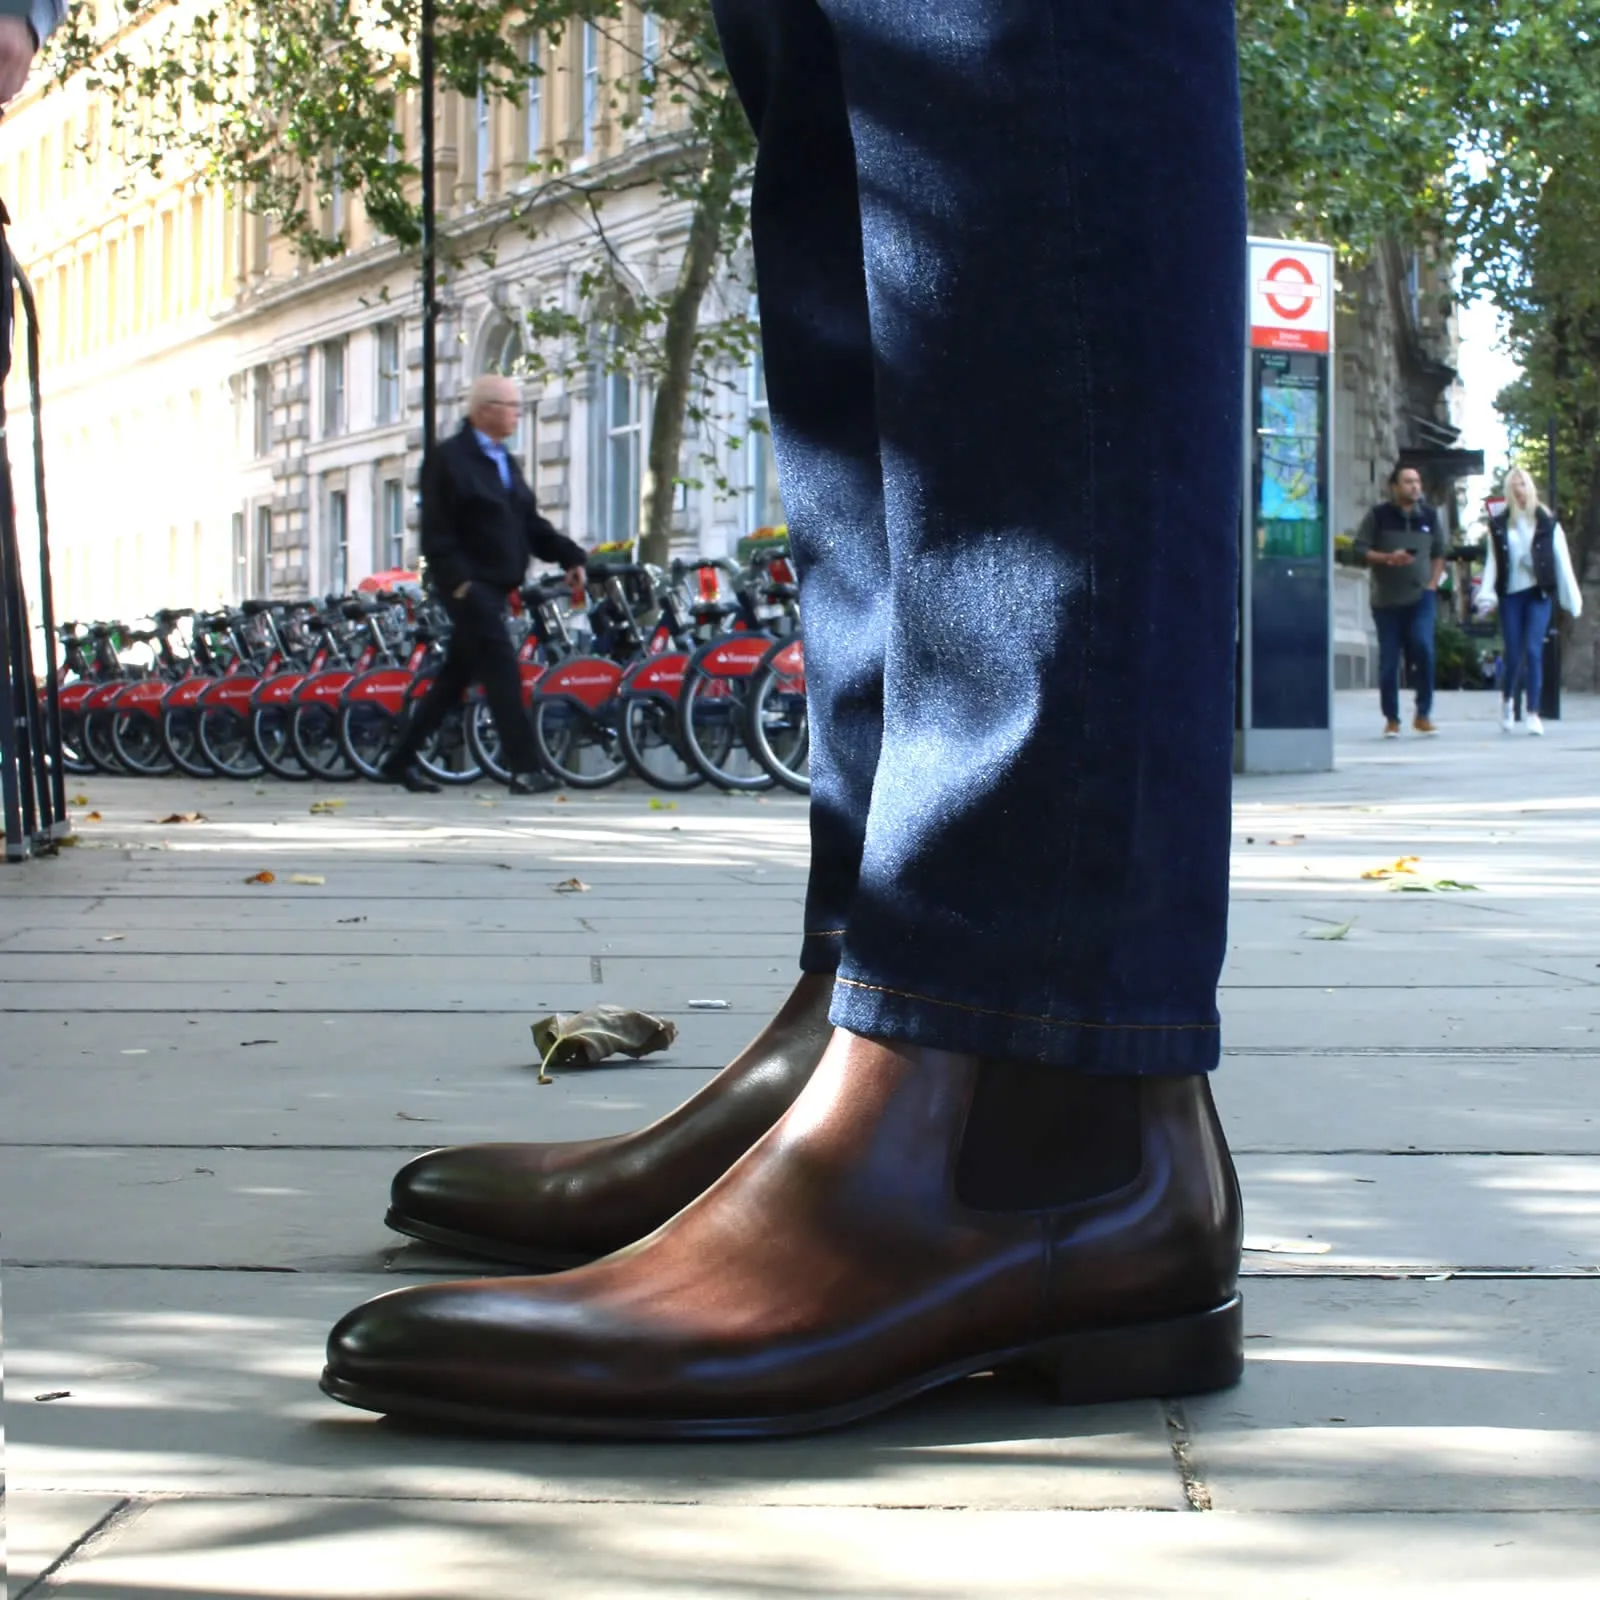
(206, 1086)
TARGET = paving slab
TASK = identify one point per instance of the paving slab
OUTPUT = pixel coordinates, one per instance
(317, 1210)
(188, 1382)
(307, 1549)
(1449, 1396)
(41, 1528)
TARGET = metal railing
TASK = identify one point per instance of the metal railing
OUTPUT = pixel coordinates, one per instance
(33, 799)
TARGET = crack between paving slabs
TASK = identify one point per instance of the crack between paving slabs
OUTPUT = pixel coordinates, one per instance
(111, 1526)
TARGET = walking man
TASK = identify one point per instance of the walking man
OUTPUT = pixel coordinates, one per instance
(1402, 541)
(480, 526)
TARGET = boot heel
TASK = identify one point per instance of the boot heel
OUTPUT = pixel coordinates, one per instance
(1186, 1355)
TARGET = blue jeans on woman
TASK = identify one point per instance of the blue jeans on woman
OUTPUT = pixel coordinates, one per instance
(1000, 252)
(1408, 628)
(1524, 621)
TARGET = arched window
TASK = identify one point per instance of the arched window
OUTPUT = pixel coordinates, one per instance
(506, 353)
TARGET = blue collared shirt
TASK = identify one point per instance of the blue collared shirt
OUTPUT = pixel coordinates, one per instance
(496, 452)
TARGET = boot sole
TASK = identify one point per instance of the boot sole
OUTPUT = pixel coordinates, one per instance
(1190, 1355)
(490, 1249)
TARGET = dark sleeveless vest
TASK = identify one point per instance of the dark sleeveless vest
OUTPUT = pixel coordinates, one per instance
(1544, 552)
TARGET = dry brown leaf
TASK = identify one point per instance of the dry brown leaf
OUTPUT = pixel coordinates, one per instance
(94, 816)
(183, 816)
(262, 877)
(572, 886)
(583, 1038)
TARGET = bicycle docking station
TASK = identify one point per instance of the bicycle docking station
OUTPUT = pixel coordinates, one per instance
(33, 803)
(1284, 718)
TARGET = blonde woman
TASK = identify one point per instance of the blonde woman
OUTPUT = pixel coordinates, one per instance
(1528, 568)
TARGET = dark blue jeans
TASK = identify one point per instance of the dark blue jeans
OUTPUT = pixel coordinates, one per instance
(1408, 628)
(1000, 253)
(1524, 621)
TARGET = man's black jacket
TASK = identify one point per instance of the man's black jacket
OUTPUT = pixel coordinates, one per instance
(475, 529)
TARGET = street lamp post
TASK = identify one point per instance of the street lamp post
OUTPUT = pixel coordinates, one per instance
(430, 303)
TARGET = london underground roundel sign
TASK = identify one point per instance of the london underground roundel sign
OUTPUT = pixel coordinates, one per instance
(1291, 296)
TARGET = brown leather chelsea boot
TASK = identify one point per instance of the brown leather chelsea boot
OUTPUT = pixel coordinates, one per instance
(835, 1270)
(553, 1206)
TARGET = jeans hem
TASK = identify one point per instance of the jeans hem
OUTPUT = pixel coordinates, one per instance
(820, 952)
(1083, 1045)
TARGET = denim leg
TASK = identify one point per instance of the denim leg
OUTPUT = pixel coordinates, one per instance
(1388, 621)
(1536, 624)
(1053, 220)
(1420, 648)
(1513, 634)
(817, 342)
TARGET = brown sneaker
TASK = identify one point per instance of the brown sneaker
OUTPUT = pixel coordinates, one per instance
(1391, 730)
(1421, 724)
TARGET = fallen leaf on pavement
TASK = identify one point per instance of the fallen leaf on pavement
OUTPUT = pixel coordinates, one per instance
(1404, 865)
(1438, 886)
(657, 804)
(572, 886)
(405, 1116)
(94, 816)
(323, 808)
(311, 880)
(55, 1394)
(262, 877)
(1342, 931)
(78, 800)
(583, 1038)
(1294, 838)
(183, 816)
(111, 938)
(1288, 1247)
(562, 800)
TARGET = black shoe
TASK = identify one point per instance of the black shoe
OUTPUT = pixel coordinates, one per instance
(532, 783)
(410, 777)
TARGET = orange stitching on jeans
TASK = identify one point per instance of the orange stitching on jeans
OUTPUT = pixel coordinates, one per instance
(1023, 1016)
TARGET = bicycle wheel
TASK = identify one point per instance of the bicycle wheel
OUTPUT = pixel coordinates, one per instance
(225, 738)
(180, 734)
(578, 746)
(97, 744)
(367, 733)
(648, 732)
(711, 722)
(314, 737)
(74, 758)
(136, 739)
(483, 738)
(447, 757)
(269, 738)
(777, 729)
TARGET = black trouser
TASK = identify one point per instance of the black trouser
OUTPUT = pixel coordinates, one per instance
(479, 652)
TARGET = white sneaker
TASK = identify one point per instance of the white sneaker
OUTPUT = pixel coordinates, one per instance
(1508, 716)
(1535, 724)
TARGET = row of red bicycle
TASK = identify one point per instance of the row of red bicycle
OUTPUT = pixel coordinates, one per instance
(681, 678)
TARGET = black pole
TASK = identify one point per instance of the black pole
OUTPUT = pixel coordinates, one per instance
(430, 304)
(1550, 695)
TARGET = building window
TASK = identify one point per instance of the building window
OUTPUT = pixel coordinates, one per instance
(241, 558)
(506, 354)
(484, 155)
(618, 436)
(197, 253)
(261, 575)
(338, 541)
(392, 524)
(261, 403)
(113, 290)
(388, 372)
(140, 303)
(333, 420)
(649, 56)
(168, 267)
(535, 105)
(591, 84)
(766, 504)
(336, 207)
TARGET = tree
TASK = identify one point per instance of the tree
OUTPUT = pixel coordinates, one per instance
(285, 102)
